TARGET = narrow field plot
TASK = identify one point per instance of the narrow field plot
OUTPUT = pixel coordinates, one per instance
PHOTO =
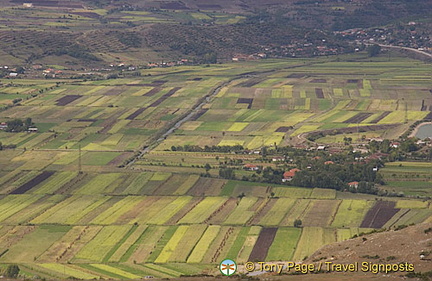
(116, 271)
(67, 209)
(55, 252)
(172, 244)
(99, 184)
(203, 210)
(305, 129)
(152, 206)
(412, 204)
(137, 184)
(186, 185)
(284, 244)
(271, 140)
(408, 216)
(243, 212)
(298, 211)
(34, 244)
(27, 214)
(249, 243)
(278, 211)
(68, 270)
(323, 193)
(221, 244)
(292, 192)
(55, 182)
(238, 126)
(203, 244)
(130, 240)
(112, 215)
(80, 212)
(187, 243)
(160, 176)
(170, 210)
(145, 245)
(321, 213)
(103, 242)
(237, 246)
(12, 204)
(351, 212)
(310, 241)
(99, 158)
(120, 124)
(112, 140)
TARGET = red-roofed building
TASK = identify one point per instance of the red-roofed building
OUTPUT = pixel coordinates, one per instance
(353, 184)
(251, 167)
(288, 175)
(328, 162)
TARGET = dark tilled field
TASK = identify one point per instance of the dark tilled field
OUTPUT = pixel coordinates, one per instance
(379, 214)
(283, 129)
(319, 93)
(135, 114)
(264, 241)
(379, 118)
(247, 101)
(358, 118)
(153, 92)
(164, 97)
(67, 100)
(33, 182)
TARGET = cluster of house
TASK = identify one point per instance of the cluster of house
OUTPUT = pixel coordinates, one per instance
(3, 126)
(408, 37)
(168, 64)
(291, 50)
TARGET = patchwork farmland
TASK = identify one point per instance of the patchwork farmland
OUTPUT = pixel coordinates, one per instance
(80, 199)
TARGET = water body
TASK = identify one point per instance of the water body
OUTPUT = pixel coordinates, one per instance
(424, 131)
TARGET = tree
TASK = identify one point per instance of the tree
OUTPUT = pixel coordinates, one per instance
(227, 173)
(373, 50)
(298, 223)
(207, 167)
(12, 271)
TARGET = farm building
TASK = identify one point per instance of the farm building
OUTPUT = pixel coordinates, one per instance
(353, 184)
(251, 167)
(288, 175)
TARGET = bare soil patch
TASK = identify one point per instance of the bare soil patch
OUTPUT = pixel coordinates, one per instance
(358, 118)
(263, 243)
(379, 118)
(67, 99)
(379, 214)
(33, 182)
(319, 93)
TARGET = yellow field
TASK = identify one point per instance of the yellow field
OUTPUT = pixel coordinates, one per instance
(238, 126)
(305, 129)
(113, 140)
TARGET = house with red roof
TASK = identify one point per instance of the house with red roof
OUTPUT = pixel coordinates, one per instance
(289, 175)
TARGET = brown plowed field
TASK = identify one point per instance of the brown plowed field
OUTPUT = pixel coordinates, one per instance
(263, 243)
(379, 214)
(358, 118)
(33, 182)
(379, 118)
(67, 100)
(319, 93)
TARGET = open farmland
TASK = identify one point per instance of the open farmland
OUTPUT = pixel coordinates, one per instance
(103, 207)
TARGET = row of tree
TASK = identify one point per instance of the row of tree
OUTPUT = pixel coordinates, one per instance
(18, 125)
